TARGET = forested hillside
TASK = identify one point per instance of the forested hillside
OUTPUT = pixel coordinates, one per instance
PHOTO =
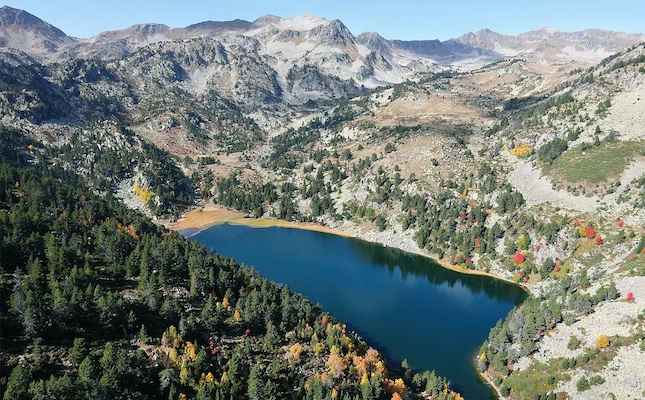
(98, 302)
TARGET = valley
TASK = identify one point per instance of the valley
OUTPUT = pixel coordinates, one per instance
(489, 153)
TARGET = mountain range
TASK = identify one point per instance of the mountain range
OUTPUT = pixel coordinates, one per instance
(308, 54)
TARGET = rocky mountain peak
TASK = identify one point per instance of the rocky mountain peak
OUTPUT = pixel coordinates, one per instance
(29, 37)
(304, 22)
(482, 38)
(148, 29)
(208, 28)
(549, 30)
(333, 33)
(374, 42)
(16, 19)
(265, 20)
(308, 21)
(138, 32)
(550, 45)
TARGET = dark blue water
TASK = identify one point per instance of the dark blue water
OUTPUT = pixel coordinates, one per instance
(403, 304)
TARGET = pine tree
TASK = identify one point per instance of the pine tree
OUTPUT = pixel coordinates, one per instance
(79, 351)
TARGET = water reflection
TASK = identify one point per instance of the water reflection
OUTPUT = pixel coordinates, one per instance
(414, 265)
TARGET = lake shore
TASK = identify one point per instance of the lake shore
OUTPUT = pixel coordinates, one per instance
(489, 382)
(210, 214)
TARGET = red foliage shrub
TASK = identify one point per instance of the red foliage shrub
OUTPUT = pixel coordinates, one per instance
(519, 258)
(599, 240)
(591, 233)
(630, 296)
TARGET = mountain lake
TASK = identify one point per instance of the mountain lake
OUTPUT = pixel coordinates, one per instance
(405, 305)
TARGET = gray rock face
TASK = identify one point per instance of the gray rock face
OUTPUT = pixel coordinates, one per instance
(13, 19)
(272, 60)
(552, 46)
(24, 32)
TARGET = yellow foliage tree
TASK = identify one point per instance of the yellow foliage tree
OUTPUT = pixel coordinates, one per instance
(521, 149)
(318, 347)
(189, 352)
(602, 341)
(307, 332)
(379, 368)
(394, 386)
(183, 375)
(523, 242)
(399, 386)
(582, 230)
(236, 316)
(144, 193)
(224, 381)
(205, 379)
(396, 396)
(172, 331)
(295, 351)
(336, 363)
(174, 357)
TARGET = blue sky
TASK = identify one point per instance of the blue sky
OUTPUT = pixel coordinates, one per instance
(394, 19)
